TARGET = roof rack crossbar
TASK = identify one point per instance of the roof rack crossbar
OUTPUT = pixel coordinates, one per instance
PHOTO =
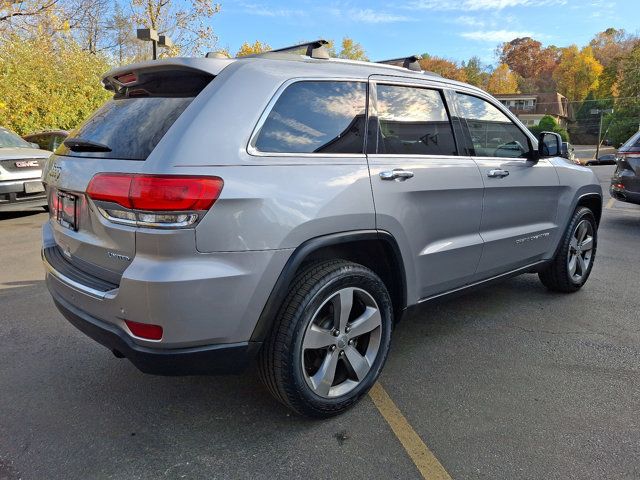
(315, 49)
(411, 62)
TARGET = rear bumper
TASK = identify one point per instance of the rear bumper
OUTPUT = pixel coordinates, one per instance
(624, 195)
(14, 198)
(202, 360)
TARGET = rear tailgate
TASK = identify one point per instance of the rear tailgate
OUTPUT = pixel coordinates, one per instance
(118, 138)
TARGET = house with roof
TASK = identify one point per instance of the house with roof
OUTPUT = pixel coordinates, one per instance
(531, 107)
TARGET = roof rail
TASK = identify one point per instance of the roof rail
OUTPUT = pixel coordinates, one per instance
(411, 62)
(315, 49)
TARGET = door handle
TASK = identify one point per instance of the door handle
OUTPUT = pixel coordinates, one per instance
(396, 174)
(498, 173)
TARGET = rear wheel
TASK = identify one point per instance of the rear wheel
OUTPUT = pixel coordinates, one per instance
(570, 268)
(330, 340)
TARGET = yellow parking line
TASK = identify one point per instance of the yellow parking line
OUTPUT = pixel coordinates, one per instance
(426, 462)
(610, 203)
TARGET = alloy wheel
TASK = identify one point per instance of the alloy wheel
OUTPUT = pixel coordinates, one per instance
(341, 342)
(580, 251)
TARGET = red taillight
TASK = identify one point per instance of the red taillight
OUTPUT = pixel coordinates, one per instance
(145, 330)
(156, 192)
(127, 78)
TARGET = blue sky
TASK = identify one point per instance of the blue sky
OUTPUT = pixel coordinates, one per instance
(455, 29)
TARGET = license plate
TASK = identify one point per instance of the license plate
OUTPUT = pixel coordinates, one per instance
(33, 187)
(66, 213)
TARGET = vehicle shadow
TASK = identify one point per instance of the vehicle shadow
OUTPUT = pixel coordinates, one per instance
(20, 214)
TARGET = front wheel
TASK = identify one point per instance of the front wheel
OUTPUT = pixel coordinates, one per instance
(330, 340)
(572, 264)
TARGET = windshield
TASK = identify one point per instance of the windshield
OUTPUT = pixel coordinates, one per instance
(11, 140)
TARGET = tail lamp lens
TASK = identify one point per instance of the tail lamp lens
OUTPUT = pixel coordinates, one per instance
(156, 200)
(147, 331)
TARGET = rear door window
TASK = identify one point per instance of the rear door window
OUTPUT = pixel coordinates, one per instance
(135, 120)
(316, 117)
(413, 121)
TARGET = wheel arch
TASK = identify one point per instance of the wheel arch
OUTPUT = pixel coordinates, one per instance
(375, 249)
(593, 202)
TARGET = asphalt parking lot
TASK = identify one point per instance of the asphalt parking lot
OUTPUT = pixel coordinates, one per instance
(506, 382)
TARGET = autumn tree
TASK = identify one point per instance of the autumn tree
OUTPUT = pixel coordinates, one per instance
(531, 62)
(48, 83)
(611, 44)
(502, 80)
(17, 12)
(352, 50)
(185, 21)
(443, 67)
(577, 72)
(252, 49)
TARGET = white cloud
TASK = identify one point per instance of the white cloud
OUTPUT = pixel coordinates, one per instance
(474, 5)
(367, 15)
(265, 11)
(469, 21)
(495, 35)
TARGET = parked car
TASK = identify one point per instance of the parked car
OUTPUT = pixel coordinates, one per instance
(47, 140)
(20, 170)
(607, 159)
(568, 152)
(625, 183)
(302, 227)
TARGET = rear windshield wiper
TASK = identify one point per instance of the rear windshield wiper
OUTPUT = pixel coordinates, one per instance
(80, 145)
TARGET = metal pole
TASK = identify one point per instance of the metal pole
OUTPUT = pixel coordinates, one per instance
(155, 57)
(599, 135)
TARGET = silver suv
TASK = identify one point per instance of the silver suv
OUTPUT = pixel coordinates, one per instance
(290, 208)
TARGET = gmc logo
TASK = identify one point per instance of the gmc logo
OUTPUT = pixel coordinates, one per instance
(27, 163)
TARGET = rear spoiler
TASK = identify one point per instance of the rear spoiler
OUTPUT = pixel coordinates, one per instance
(120, 76)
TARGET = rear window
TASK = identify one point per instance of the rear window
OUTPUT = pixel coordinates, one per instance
(631, 145)
(316, 117)
(135, 120)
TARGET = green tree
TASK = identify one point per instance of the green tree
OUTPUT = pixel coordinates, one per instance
(475, 73)
(48, 83)
(549, 124)
(626, 117)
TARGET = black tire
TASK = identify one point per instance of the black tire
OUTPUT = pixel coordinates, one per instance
(556, 276)
(281, 361)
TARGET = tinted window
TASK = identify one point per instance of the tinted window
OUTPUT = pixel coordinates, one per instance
(136, 119)
(493, 134)
(9, 139)
(42, 141)
(316, 117)
(56, 140)
(413, 121)
(130, 127)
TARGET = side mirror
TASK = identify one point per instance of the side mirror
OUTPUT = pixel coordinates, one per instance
(34, 145)
(549, 144)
